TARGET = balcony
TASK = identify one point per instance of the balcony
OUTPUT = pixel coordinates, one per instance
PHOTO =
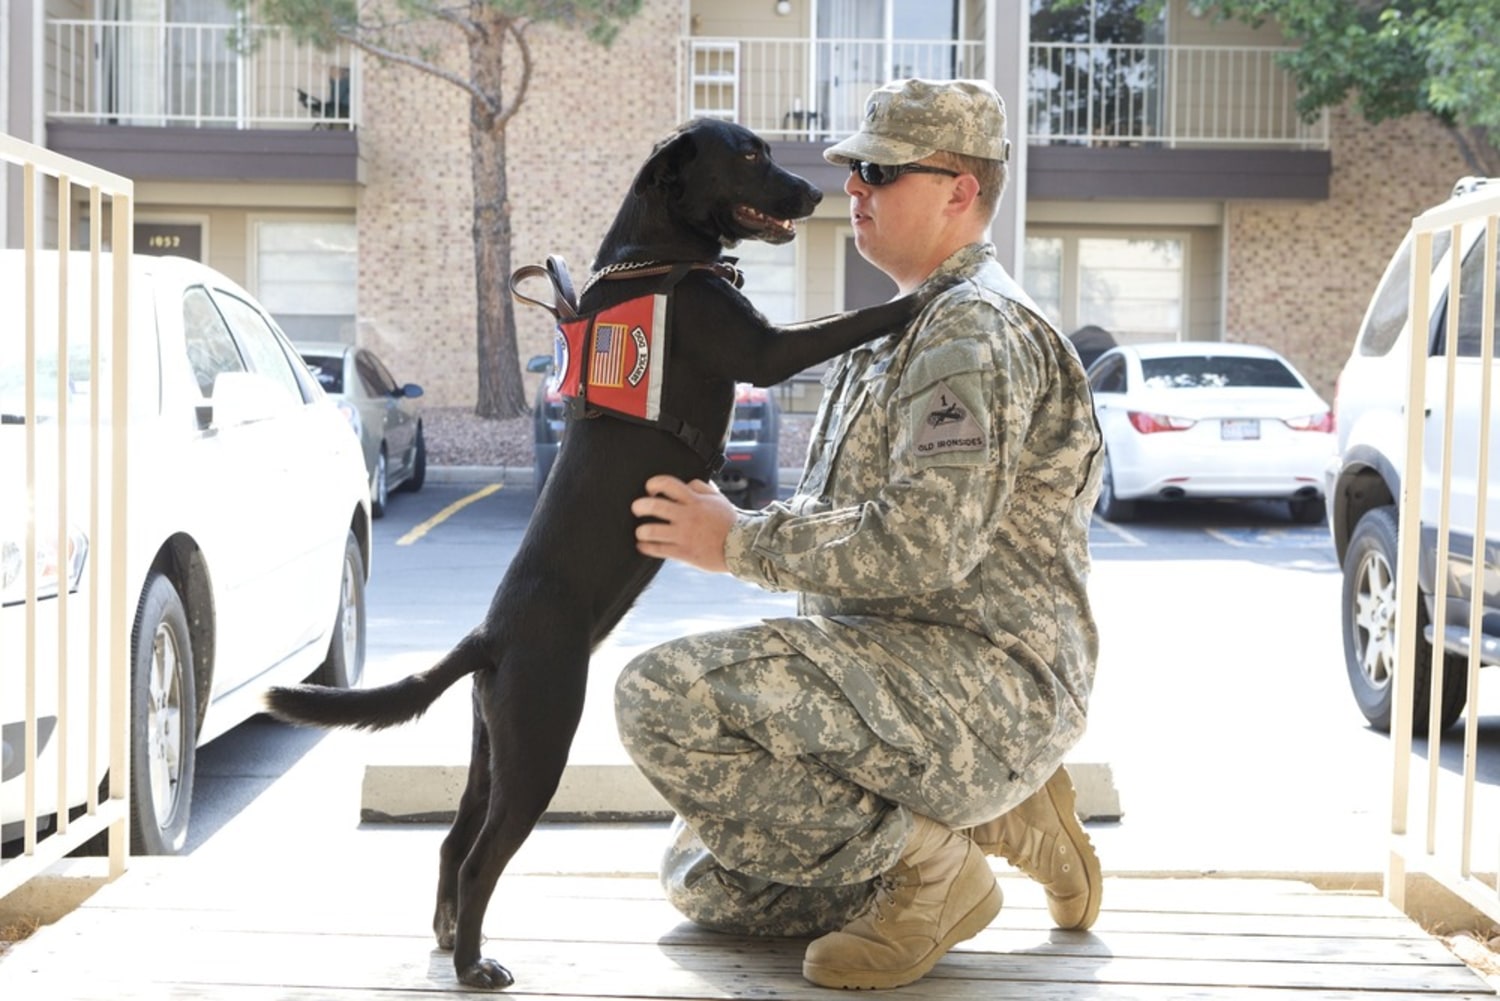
(185, 101)
(1083, 95)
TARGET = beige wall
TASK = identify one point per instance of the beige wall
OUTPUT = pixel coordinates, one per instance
(589, 119)
(1300, 274)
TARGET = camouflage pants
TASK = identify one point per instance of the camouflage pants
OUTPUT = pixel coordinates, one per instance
(790, 802)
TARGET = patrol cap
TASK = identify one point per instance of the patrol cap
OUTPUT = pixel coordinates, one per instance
(907, 120)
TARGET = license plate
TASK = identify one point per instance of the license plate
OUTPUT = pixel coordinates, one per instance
(1240, 429)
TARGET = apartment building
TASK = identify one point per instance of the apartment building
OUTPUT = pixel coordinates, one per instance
(1163, 186)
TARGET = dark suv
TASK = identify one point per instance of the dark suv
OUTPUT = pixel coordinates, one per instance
(750, 465)
(1363, 485)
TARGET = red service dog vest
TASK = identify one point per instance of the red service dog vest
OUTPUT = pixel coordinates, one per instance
(612, 360)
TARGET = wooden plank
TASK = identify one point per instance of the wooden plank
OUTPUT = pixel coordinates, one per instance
(730, 967)
(166, 935)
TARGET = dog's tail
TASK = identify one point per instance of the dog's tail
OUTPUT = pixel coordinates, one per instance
(376, 708)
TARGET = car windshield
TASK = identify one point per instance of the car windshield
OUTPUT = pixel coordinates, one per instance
(1216, 372)
(329, 371)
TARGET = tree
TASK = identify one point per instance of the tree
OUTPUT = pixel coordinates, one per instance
(400, 32)
(1441, 57)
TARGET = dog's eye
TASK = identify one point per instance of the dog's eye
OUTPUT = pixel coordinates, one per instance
(753, 155)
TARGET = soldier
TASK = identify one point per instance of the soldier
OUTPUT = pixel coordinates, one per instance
(844, 772)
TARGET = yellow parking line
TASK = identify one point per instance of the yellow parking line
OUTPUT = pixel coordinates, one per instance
(445, 514)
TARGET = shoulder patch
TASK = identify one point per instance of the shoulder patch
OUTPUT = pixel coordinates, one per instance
(947, 425)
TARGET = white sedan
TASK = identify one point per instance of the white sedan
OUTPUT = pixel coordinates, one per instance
(1208, 420)
(248, 531)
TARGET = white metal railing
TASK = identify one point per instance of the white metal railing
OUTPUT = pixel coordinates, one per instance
(64, 650)
(1170, 95)
(810, 88)
(196, 75)
(1439, 454)
(1163, 95)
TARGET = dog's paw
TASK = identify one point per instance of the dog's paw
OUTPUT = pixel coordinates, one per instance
(486, 974)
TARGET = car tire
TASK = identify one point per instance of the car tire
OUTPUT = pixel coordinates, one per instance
(163, 721)
(345, 663)
(1308, 510)
(1110, 506)
(1369, 620)
(380, 489)
(418, 464)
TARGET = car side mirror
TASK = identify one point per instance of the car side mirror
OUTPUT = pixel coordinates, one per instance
(539, 363)
(411, 390)
(246, 397)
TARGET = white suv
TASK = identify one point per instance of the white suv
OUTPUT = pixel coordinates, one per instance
(1364, 483)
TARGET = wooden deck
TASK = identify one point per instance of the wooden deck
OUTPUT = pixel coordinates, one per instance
(335, 930)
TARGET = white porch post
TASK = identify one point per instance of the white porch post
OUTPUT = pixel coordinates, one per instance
(1009, 41)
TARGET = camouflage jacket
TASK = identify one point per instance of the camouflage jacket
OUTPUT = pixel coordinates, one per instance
(939, 534)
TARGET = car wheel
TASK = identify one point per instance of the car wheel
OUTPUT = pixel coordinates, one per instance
(1369, 614)
(1109, 506)
(418, 464)
(163, 721)
(380, 491)
(1308, 510)
(345, 663)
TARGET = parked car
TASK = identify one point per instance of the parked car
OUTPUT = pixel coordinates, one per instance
(248, 539)
(1364, 481)
(382, 413)
(749, 476)
(1208, 420)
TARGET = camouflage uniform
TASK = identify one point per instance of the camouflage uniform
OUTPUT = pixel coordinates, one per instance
(944, 649)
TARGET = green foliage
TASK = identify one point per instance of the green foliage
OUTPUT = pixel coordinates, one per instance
(1392, 59)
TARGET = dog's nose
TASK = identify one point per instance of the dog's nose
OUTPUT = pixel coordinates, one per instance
(815, 193)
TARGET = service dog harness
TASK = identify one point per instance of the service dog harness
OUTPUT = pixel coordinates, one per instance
(612, 362)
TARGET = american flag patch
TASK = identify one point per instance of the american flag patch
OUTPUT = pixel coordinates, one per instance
(607, 360)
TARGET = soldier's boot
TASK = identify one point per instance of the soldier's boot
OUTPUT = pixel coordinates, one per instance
(1043, 838)
(940, 892)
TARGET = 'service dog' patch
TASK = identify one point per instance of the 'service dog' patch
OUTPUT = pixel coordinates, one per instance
(613, 359)
(944, 425)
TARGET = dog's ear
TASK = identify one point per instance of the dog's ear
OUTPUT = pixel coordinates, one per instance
(664, 167)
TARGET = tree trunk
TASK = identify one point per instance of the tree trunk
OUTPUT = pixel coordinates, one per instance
(500, 390)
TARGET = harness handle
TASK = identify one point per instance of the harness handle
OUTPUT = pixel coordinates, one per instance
(564, 304)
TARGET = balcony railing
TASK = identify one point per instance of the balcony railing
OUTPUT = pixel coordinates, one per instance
(806, 88)
(151, 73)
(1156, 95)
(1168, 95)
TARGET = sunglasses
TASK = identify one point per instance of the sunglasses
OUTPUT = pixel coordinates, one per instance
(879, 174)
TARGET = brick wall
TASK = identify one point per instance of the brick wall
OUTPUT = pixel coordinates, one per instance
(1301, 274)
(590, 117)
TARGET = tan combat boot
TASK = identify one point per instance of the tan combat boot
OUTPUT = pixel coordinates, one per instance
(1043, 838)
(941, 892)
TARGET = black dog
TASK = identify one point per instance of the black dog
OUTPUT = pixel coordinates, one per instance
(708, 185)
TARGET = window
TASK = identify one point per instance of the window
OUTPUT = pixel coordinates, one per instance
(210, 347)
(1131, 287)
(377, 380)
(260, 345)
(1110, 377)
(1216, 372)
(1096, 71)
(306, 275)
(1044, 275)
